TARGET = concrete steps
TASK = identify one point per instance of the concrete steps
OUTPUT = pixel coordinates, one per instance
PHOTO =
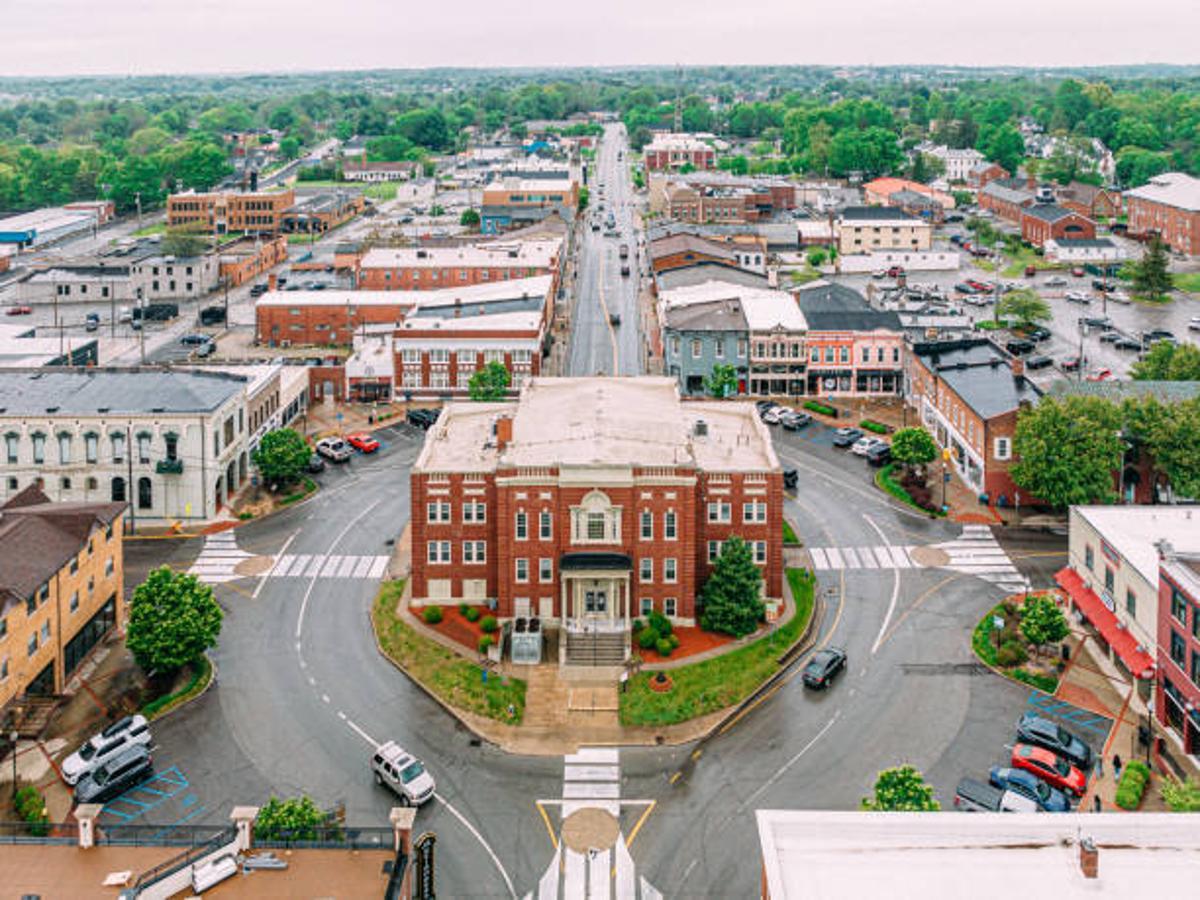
(596, 649)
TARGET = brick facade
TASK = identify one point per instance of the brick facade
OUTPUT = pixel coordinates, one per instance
(1179, 228)
(1037, 230)
(221, 212)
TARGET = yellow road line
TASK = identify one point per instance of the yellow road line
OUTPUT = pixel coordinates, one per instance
(549, 827)
(1032, 554)
(641, 821)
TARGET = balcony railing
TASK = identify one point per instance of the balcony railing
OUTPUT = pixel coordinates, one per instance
(169, 467)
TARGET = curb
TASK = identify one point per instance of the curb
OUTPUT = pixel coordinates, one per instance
(212, 679)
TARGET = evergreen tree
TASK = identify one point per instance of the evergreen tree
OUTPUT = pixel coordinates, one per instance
(1150, 276)
(733, 593)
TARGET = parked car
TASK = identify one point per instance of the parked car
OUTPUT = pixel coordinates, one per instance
(1077, 271)
(315, 464)
(1100, 375)
(793, 421)
(1071, 364)
(1118, 296)
(863, 444)
(824, 667)
(895, 271)
(1078, 297)
(773, 414)
(1109, 337)
(1038, 334)
(963, 288)
(403, 773)
(791, 478)
(194, 340)
(18, 311)
(1097, 321)
(1050, 767)
(423, 418)
(1019, 346)
(1127, 343)
(1055, 281)
(1019, 781)
(1155, 335)
(103, 746)
(92, 322)
(334, 449)
(1043, 732)
(1194, 323)
(1030, 271)
(879, 455)
(212, 315)
(1038, 361)
(208, 348)
(125, 770)
(258, 290)
(362, 442)
(845, 437)
(980, 286)
(975, 796)
(1102, 285)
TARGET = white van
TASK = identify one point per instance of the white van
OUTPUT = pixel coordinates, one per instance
(403, 773)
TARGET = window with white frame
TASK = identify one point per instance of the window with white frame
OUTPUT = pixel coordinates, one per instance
(647, 525)
(719, 348)
(521, 525)
(39, 448)
(755, 511)
(64, 448)
(714, 551)
(760, 552)
(669, 525)
(437, 511)
(521, 569)
(670, 570)
(545, 569)
(646, 570)
(143, 447)
(674, 346)
(439, 355)
(522, 357)
(91, 446)
(474, 511)
(670, 606)
(741, 347)
(595, 520)
(474, 551)
(647, 606)
(411, 378)
(695, 348)
(1003, 448)
(438, 552)
(493, 355)
(12, 443)
(719, 511)
(545, 525)
(411, 356)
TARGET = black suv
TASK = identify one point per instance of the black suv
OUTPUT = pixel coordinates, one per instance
(1019, 347)
(423, 418)
(125, 770)
(1033, 729)
(824, 665)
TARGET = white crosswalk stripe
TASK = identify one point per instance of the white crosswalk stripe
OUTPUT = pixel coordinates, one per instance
(974, 552)
(218, 559)
(305, 565)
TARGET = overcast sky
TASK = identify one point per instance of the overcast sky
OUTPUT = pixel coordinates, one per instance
(64, 37)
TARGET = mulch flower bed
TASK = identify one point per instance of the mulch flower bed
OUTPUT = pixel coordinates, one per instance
(456, 626)
(692, 640)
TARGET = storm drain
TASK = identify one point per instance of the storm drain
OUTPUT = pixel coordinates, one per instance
(944, 669)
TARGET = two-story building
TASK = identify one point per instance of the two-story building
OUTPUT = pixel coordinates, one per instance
(220, 212)
(588, 502)
(1007, 198)
(512, 201)
(699, 336)
(864, 229)
(1042, 222)
(61, 593)
(853, 349)
(675, 151)
(431, 268)
(1167, 205)
(1177, 701)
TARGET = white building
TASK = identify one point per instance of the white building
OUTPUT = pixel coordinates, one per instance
(1084, 250)
(173, 443)
(957, 162)
(175, 278)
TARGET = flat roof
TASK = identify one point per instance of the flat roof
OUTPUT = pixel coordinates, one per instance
(66, 392)
(46, 219)
(538, 254)
(764, 309)
(502, 321)
(1132, 531)
(980, 373)
(879, 214)
(492, 291)
(813, 855)
(599, 422)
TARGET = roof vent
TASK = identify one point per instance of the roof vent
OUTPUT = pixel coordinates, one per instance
(700, 428)
(51, 409)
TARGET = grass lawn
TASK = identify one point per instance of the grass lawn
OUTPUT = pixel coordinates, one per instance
(883, 478)
(441, 670)
(717, 683)
(201, 675)
(1025, 257)
(789, 533)
(1188, 281)
(984, 645)
(146, 231)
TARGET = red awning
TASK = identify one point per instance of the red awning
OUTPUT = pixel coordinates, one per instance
(1137, 660)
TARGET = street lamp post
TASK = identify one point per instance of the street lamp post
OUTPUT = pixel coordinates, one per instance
(13, 736)
(945, 474)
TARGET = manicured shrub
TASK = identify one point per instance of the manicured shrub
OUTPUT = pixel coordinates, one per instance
(30, 806)
(473, 614)
(660, 623)
(674, 640)
(462, 607)
(664, 647)
(485, 641)
(638, 625)
(814, 406)
(647, 638)
(432, 615)
(1134, 778)
(489, 624)
(872, 425)
(1011, 653)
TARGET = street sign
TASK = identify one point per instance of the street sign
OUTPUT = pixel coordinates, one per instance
(998, 622)
(423, 887)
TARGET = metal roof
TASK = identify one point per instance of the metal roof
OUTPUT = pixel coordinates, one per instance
(40, 392)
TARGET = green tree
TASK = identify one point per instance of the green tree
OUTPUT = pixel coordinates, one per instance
(1005, 146)
(732, 594)
(1067, 450)
(1043, 622)
(913, 447)
(1166, 361)
(182, 242)
(1173, 441)
(1024, 307)
(722, 381)
(1181, 796)
(469, 219)
(963, 198)
(901, 789)
(816, 257)
(1151, 279)
(173, 619)
(296, 819)
(489, 383)
(289, 147)
(281, 456)
(584, 196)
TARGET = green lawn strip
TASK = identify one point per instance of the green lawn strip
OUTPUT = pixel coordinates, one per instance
(884, 480)
(789, 534)
(308, 488)
(1188, 281)
(720, 682)
(440, 670)
(985, 648)
(201, 675)
(147, 230)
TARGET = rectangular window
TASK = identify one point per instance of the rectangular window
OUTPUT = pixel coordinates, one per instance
(719, 511)
(521, 526)
(646, 570)
(719, 348)
(760, 552)
(74, 605)
(11, 444)
(669, 525)
(32, 645)
(545, 525)
(741, 347)
(4, 670)
(595, 527)
(108, 567)
(545, 569)
(866, 354)
(474, 551)
(474, 512)
(437, 552)
(714, 550)
(1178, 649)
(695, 349)
(64, 449)
(647, 606)
(1003, 448)
(91, 447)
(39, 448)
(1195, 667)
(754, 512)
(1178, 607)
(669, 607)
(670, 571)
(674, 346)
(1109, 579)
(438, 511)
(1131, 603)
(522, 569)
(845, 354)
(647, 530)
(1089, 558)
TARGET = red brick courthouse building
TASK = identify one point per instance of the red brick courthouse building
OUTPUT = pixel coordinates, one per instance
(590, 501)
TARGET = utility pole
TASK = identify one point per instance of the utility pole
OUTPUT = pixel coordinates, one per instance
(129, 470)
(141, 324)
(137, 199)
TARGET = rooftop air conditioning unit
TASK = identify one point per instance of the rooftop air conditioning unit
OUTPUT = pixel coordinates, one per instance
(700, 429)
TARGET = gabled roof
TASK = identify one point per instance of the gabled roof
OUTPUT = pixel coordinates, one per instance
(711, 315)
(1004, 194)
(1171, 189)
(835, 307)
(1049, 212)
(691, 243)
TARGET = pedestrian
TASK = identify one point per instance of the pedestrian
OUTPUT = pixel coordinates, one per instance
(1116, 768)
(1096, 803)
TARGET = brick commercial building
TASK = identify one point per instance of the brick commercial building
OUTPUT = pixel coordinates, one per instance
(681, 251)
(219, 212)
(718, 197)
(880, 191)
(1042, 222)
(1178, 698)
(1007, 198)
(318, 213)
(430, 268)
(1090, 200)
(984, 173)
(61, 591)
(1169, 206)
(852, 349)
(968, 394)
(674, 151)
(513, 201)
(589, 502)
(242, 260)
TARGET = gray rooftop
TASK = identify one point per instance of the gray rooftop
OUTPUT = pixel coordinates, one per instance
(1081, 243)
(714, 315)
(38, 392)
(1006, 194)
(835, 307)
(1049, 212)
(875, 214)
(979, 372)
(708, 271)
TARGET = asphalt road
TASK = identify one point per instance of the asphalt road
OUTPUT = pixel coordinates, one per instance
(601, 344)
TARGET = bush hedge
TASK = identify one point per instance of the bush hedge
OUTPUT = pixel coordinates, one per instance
(473, 614)
(814, 406)
(1134, 778)
(647, 638)
(30, 807)
(664, 647)
(872, 425)
(432, 615)
(485, 641)
(462, 607)
(489, 624)
(1011, 653)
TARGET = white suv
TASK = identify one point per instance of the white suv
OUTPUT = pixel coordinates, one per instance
(335, 449)
(102, 747)
(403, 773)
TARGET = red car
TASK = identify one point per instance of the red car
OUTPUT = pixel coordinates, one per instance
(1101, 375)
(18, 311)
(981, 286)
(1077, 272)
(1050, 767)
(362, 442)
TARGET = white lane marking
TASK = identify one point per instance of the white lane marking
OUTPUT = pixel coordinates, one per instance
(866, 558)
(591, 773)
(574, 876)
(851, 558)
(598, 877)
(594, 755)
(479, 837)
(885, 558)
(331, 566)
(299, 565)
(899, 555)
(341, 715)
(362, 734)
(325, 697)
(314, 567)
(895, 584)
(591, 790)
(312, 583)
(791, 762)
(346, 569)
(363, 566)
(820, 561)
(279, 566)
(835, 558)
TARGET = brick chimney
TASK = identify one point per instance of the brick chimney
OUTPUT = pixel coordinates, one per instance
(1089, 858)
(503, 431)
(272, 281)
(1018, 367)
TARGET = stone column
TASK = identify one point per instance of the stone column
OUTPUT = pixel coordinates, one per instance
(402, 818)
(243, 818)
(86, 814)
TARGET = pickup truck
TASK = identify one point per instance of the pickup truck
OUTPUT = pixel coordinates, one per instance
(975, 796)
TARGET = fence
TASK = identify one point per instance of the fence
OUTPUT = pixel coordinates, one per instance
(157, 835)
(186, 858)
(41, 833)
(326, 836)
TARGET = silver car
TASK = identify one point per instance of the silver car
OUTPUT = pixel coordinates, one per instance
(100, 748)
(335, 449)
(403, 773)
